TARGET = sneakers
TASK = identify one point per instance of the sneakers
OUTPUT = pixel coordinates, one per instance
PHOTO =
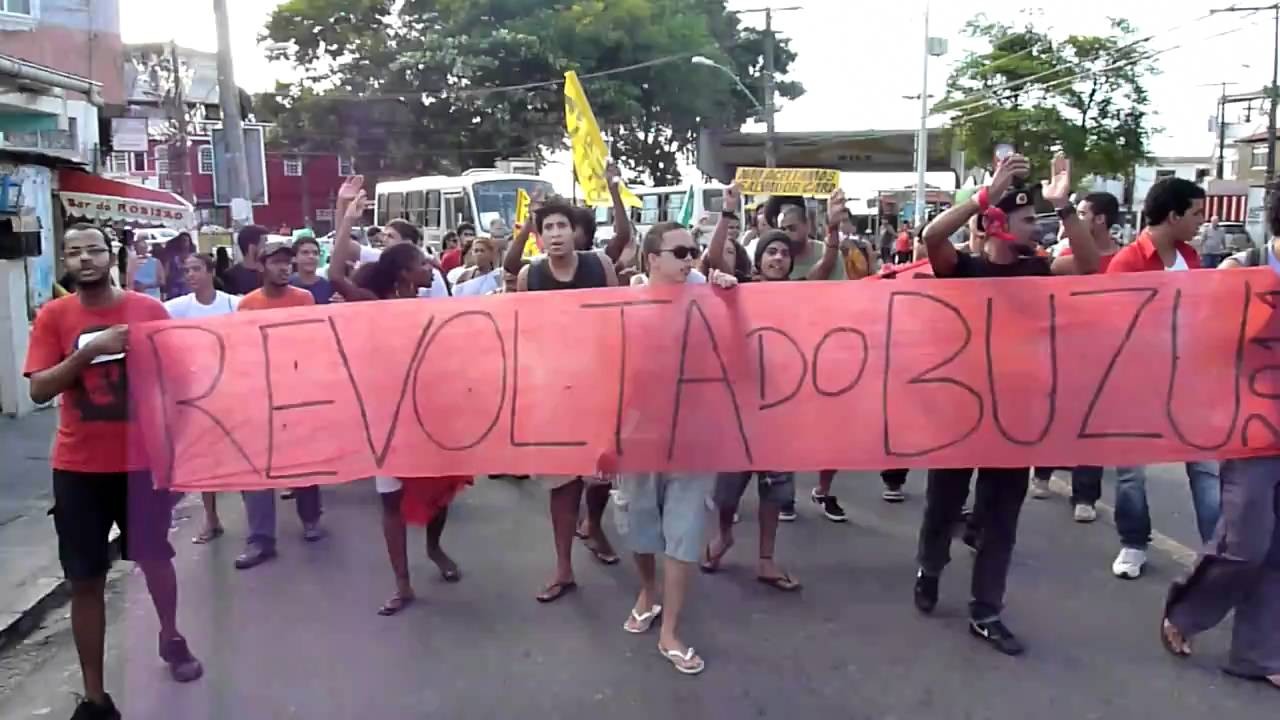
(1085, 513)
(787, 513)
(1040, 488)
(253, 556)
(183, 666)
(926, 592)
(1129, 563)
(893, 495)
(87, 710)
(996, 635)
(830, 506)
(312, 532)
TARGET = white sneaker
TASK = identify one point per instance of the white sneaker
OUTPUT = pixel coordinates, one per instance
(1040, 488)
(1085, 513)
(1129, 562)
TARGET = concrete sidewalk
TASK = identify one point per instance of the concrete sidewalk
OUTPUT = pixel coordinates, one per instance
(29, 572)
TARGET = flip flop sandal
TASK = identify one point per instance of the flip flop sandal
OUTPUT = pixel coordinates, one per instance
(556, 590)
(711, 563)
(1168, 645)
(686, 663)
(395, 605)
(207, 536)
(640, 623)
(451, 575)
(603, 557)
(783, 582)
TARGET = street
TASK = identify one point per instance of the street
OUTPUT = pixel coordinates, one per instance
(299, 637)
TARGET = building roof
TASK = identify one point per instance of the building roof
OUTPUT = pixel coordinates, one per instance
(1254, 138)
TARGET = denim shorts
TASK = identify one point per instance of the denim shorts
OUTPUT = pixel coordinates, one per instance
(774, 487)
(660, 513)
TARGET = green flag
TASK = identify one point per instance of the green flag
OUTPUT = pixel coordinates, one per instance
(686, 211)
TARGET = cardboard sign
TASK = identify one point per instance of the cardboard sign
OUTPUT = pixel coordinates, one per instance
(787, 181)
(1103, 370)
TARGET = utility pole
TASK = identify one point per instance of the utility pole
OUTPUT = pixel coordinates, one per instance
(232, 130)
(770, 46)
(1271, 91)
(1222, 129)
(178, 179)
(932, 47)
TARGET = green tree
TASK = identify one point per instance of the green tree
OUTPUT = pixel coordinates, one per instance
(406, 87)
(1084, 95)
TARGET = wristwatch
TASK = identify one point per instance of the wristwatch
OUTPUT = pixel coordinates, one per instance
(729, 213)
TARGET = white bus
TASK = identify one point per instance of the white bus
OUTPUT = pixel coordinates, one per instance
(663, 204)
(439, 204)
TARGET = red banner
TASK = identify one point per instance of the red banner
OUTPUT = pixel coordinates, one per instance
(1116, 369)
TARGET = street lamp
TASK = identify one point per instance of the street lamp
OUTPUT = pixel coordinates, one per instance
(933, 47)
(770, 158)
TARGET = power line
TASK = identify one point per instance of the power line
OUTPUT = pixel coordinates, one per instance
(1093, 71)
(1015, 83)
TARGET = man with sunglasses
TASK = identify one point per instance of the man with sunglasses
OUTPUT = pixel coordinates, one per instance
(1009, 222)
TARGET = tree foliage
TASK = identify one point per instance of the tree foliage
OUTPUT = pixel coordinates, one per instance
(406, 86)
(1084, 95)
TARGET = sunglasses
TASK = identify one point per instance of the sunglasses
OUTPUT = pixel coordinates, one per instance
(683, 252)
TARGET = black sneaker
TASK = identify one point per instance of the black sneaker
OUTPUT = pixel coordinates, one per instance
(830, 506)
(183, 666)
(787, 513)
(87, 710)
(893, 495)
(996, 635)
(926, 592)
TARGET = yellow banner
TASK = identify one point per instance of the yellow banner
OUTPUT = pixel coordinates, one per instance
(522, 206)
(787, 181)
(589, 153)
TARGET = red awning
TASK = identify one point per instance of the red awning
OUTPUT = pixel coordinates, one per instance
(97, 198)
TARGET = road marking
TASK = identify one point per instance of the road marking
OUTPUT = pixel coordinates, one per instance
(1181, 554)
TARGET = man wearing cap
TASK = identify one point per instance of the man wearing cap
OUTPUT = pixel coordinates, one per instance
(260, 505)
(1009, 222)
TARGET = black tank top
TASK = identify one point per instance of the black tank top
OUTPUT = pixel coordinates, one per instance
(590, 273)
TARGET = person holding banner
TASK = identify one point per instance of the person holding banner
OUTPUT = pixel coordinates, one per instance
(776, 489)
(662, 512)
(398, 273)
(1010, 222)
(1239, 569)
(812, 260)
(1174, 212)
(565, 267)
(100, 466)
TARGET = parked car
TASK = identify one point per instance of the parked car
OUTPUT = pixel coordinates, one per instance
(1237, 237)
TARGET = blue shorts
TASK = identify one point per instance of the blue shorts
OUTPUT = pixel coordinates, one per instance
(774, 487)
(662, 513)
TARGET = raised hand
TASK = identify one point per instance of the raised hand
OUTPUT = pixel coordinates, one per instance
(349, 189)
(1058, 189)
(732, 197)
(612, 174)
(1009, 169)
(355, 206)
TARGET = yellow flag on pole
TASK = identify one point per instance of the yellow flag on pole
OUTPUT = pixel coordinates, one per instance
(589, 153)
(523, 202)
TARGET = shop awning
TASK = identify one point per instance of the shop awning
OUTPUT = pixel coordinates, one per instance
(99, 199)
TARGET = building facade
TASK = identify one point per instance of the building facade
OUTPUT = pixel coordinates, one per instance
(77, 37)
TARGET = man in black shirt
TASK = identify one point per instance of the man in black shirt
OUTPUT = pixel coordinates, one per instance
(246, 276)
(1009, 222)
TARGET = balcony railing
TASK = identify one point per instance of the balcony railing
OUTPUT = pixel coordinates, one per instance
(55, 142)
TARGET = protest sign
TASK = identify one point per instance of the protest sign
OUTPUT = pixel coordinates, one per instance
(787, 181)
(1103, 370)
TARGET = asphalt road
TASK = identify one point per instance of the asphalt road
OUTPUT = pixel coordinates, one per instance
(299, 638)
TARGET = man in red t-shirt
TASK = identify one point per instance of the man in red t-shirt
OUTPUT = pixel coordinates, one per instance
(260, 505)
(1174, 212)
(101, 472)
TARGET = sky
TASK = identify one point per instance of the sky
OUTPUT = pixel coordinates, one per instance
(857, 58)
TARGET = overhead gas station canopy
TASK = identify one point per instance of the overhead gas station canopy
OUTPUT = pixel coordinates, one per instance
(721, 153)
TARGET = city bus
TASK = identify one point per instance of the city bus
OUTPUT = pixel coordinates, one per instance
(439, 204)
(663, 204)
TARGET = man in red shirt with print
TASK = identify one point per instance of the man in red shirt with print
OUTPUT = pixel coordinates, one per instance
(101, 472)
(1174, 212)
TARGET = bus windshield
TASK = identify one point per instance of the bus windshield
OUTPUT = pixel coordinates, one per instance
(497, 199)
